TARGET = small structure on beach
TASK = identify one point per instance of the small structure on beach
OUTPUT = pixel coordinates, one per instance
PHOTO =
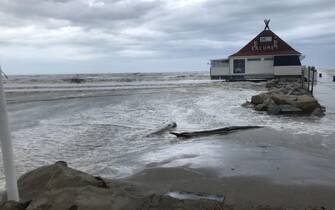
(265, 57)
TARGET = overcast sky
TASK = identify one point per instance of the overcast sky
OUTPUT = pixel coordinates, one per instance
(92, 36)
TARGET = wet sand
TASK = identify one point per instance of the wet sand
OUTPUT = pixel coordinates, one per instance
(252, 169)
(242, 192)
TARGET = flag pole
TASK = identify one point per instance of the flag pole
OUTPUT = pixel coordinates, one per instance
(6, 147)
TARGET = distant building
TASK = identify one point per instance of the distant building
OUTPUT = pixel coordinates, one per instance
(264, 57)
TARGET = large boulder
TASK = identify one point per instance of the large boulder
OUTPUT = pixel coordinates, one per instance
(289, 109)
(269, 106)
(272, 84)
(306, 103)
(282, 99)
(247, 104)
(319, 112)
(13, 205)
(53, 177)
(260, 107)
(259, 99)
(80, 198)
(273, 109)
(59, 187)
(303, 104)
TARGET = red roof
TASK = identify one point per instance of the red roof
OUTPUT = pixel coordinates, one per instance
(267, 43)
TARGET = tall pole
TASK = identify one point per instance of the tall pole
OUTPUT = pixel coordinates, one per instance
(309, 77)
(7, 150)
(302, 77)
(313, 73)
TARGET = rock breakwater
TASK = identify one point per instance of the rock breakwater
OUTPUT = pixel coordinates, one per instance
(286, 97)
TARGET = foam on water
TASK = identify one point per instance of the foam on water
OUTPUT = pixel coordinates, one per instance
(194, 196)
(106, 135)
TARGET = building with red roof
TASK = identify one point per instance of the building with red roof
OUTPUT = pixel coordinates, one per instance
(265, 57)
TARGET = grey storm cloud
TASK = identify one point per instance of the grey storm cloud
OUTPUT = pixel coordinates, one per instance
(95, 30)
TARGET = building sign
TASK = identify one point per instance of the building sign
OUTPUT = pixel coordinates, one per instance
(265, 39)
(265, 43)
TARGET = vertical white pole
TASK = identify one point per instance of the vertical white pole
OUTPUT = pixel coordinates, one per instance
(7, 150)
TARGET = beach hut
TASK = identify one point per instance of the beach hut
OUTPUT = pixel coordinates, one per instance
(265, 57)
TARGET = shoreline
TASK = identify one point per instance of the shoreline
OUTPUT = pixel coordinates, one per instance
(286, 165)
(59, 186)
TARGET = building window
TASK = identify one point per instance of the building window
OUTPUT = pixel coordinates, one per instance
(254, 59)
(219, 63)
(288, 60)
(239, 66)
(268, 59)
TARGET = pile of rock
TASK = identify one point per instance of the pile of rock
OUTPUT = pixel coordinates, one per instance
(286, 97)
(59, 187)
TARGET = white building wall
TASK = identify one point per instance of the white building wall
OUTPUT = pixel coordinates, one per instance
(219, 67)
(231, 65)
(220, 71)
(287, 70)
(262, 67)
(259, 67)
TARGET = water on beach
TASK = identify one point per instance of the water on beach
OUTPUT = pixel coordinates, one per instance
(101, 125)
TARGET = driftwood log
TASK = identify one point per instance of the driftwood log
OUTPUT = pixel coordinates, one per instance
(225, 130)
(163, 129)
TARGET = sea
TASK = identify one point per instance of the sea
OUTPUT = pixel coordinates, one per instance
(100, 123)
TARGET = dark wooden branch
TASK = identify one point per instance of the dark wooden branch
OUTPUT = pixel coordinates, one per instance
(163, 129)
(225, 130)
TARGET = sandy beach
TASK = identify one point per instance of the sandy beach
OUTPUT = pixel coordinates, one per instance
(241, 192)
(100, 127)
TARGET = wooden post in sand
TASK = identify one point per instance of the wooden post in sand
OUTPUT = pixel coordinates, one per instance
(313, 73)
(7, 150)
(303, 77)
(308, 77)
